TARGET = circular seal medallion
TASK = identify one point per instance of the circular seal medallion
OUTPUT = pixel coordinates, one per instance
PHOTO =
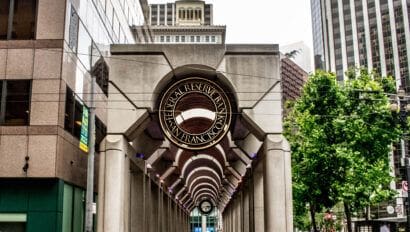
(195, 113)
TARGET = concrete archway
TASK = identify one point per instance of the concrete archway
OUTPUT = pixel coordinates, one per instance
(144, 167)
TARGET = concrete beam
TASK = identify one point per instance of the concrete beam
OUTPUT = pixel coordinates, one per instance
(250, 145)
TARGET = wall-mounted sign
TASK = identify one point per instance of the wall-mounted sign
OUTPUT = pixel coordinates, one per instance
(195, 113)
(84, 131)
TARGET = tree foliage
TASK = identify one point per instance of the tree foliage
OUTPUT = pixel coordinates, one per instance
(341, 135)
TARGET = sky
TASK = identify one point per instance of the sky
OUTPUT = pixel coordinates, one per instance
(262, 21)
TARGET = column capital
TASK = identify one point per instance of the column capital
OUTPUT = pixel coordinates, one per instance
(276, 142)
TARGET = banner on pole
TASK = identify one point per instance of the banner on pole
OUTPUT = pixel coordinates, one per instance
(84, 130)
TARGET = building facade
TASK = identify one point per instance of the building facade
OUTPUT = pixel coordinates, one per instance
(371, 33)
(48, 51)
(293, 79)
(185, 21)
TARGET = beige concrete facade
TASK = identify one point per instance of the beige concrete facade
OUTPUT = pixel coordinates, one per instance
(52, 66)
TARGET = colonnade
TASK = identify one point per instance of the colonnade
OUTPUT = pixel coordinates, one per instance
(129, 199)
(263, 204)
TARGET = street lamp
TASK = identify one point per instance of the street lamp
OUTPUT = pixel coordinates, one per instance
(403, 108)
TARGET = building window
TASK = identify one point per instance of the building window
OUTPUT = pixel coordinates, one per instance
(213, 39)
(183, 38)
(17, 19)
(168, 38)
(182, 13)
(4, 18)
(73, 113)
(198, 14)
(100, 133)
(100, 71)
(162, 38)
(15, 222)
(192, 38)
(198, 38)
(190, 14)
(177, 39)
(73, 30)
(15, 102)
(207, 38)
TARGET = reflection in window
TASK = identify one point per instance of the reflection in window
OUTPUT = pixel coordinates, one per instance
(73, 114)
(73, 30)
(15, 102)
(23, 15)
(100, 71)
(84, 47)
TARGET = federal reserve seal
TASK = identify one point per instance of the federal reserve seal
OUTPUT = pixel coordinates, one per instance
(195, 113)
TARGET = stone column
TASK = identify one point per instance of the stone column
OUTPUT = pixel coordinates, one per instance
(245, 209)
(277, 185)
(114, 171)
(232, 217)
(228, 219)
(258, 199)
(137, 196)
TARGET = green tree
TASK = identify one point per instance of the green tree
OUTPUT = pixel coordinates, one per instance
(309, 128)
(369, 129)
(340, 137)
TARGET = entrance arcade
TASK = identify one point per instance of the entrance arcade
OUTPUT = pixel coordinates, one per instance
(194, 138)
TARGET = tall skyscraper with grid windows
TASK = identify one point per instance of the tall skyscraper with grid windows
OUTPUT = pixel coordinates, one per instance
(369, 33)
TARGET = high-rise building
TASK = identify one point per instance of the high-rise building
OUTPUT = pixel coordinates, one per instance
(185, 21)
(369, 33)
(48, 51)
(300, 53)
